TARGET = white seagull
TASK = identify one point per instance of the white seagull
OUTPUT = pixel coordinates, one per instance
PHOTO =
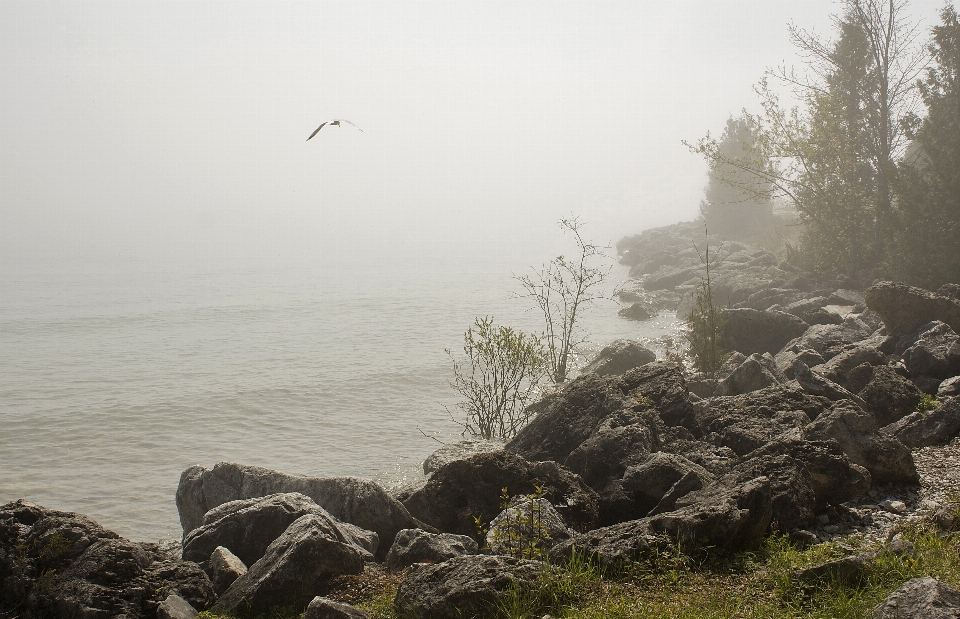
(336, 122)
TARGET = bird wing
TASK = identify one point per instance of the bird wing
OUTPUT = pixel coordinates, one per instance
(344, 120)
(318, 131)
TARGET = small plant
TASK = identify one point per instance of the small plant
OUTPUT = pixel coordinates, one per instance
(927, 403)
(705, 323)
(520, 532)
(502, 374)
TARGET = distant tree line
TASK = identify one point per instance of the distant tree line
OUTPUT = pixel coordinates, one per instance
(870, 160)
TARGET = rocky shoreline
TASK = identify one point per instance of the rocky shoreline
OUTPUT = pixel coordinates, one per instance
(834, 419)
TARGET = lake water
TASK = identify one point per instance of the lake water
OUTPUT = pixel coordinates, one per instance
(114, 379)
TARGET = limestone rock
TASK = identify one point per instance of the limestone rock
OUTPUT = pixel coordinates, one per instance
(247, 527)
(829, 340)
(935, 353)
(622, 439)
(619, 357)
(525, 525)
(349, 499)
(325, 608)
(175, 607)
(55, 564)
(748, 330)
(418, 546)
(889, 396)
(651, 481)
(904, 308)
(224, 568)
(921, 597)
(638, 311)
(458, 451)
(293, 567)
(887, 459)
(467, 586)
(922, 429)
(814, 384)
(949, 387)
(755, 373)
(464, 489)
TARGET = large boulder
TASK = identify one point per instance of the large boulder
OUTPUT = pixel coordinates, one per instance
(792, 499)
(834, 478)
(349, 499)
(887, 459)
(904, 308)
(638, 311)
(830, 340)
(889, 396)
(922, 429)
(618, 357)
(467, 586)
(224, 568)
(63, 564)
(756, 372)
(924, 597)
(419, 546)
(293, 568)
(622, 439)
(460, 450)
(463, 490)
(935, 352)
(852, 356)
(650, 481)
(247, 527)
(325, 608)
(817, 385)
(749, 331)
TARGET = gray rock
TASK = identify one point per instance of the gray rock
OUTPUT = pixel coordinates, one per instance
(852, 570)
(526, 526)
(224, 568)
(468, 586)
(921, 597)
(651, 481)
(325, 608)
(418, 546)
(857, 379)
(730, 364)
(904, 308)
(458, 451)
(935, 353)
(293, 567)
(887, 459)
(889, 396)
(836, 369)
(84, 566)
(622, 439)
(830, 340)
(755, 373)
(814, 384)
(175, 607)
(748, 330)
(788, 356)
(349, 499)
(922, 429)
(247, 527)
(638, 311)
(821, 316)
(463, 490)
(619, 357)
(792, 496)
(949, 387)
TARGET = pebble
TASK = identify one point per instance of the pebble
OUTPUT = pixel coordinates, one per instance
(893, 506)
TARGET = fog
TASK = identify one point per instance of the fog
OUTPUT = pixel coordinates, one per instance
(163, 131)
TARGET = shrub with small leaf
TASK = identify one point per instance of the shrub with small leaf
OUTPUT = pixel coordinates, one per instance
(520, 530)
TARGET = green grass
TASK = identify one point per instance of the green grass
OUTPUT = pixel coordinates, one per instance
(674, 584)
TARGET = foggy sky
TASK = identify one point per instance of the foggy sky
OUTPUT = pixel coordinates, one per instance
(176, 130)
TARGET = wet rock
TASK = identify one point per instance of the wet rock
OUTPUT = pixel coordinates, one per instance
(325, 608)
(462, 490)
(460, 450)
(904, 308)
(527, 525)
(224, 568)
(751, 331)
(920, 597)
(888, 396)
(887, 459)
(922, 429)
(248, 527)
(418, 546)
(619, 357)
(755, 373)
(638, 311)
(468, 586)
(349, 499)
(55, 564)
(293, 568)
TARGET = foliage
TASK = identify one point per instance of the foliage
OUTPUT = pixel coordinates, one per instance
(503, 371)
(561, 290)
(929, 177)
(927, 403)
(521, 533)
(705, 324)
(737, 203)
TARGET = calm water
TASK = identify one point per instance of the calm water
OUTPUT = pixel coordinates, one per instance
(115, 379)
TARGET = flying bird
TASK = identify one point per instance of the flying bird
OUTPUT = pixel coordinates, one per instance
(336, 122)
